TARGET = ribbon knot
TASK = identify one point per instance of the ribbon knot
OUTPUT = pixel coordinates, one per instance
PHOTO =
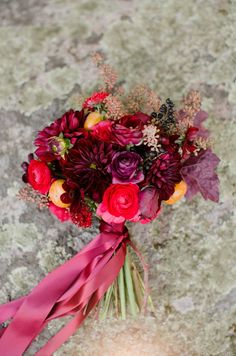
(119, 229)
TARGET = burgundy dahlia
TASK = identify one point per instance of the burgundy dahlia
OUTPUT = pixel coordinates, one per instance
(164, 174)
(54, 141)
(87, 163)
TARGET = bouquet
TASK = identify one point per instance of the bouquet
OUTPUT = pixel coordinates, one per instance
(118, 158)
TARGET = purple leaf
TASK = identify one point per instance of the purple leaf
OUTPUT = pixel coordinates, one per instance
(200, 117)
(200, 176)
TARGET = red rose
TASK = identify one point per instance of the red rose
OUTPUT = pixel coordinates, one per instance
(39, 176)
(128, 130)
(120, 202)
(137, 120)
(115, 133)
(124, 136)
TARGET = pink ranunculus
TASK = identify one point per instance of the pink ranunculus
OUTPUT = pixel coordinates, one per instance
(102, 131)
(39, 176)
(106, 216)
(62, 214)
(120, 203)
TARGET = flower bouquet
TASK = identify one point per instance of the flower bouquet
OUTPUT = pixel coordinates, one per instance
(117, 157)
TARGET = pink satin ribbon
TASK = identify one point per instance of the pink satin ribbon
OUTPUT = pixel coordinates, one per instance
(72, 289)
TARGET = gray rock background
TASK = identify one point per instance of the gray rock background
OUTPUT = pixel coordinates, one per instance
(174, 46)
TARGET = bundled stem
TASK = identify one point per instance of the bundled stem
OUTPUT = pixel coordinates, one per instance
(129, 294)
(121, 285)
(130, 286)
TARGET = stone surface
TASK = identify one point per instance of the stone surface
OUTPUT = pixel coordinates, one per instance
(174, 46)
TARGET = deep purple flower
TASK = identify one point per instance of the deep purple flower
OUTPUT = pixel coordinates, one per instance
(125, 168)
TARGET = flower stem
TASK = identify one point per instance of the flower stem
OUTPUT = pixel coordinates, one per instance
(130, 287)
(107, 302)
(145, 268)
(121, 285)
(137, 287)
(149, 297)
(116, 302)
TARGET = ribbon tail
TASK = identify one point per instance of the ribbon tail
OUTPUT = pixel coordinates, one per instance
(115, 264)
(68, 290)
(8, 310)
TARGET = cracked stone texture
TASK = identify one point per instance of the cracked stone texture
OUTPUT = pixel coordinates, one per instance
(174, 46)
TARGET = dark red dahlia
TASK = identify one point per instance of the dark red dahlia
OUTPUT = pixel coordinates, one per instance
(87, 164)
(54, 141)
(164, 174)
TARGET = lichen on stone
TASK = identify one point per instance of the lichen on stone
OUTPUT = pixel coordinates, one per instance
(172, 46)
